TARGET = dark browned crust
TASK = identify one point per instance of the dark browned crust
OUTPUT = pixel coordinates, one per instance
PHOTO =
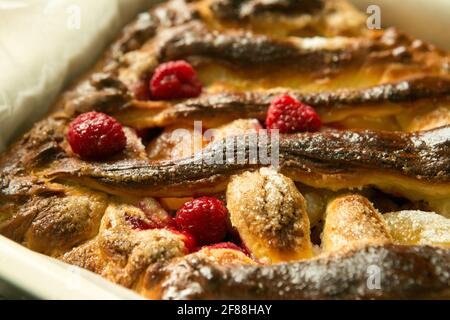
(146, 25)
(406, 272)
(103, 92)
(241, 48)
(242, 9)
(193, 39)
(135, 35)
(175, 30)
(39, 147)
(184, 34)
(423, 156)
(230, 106)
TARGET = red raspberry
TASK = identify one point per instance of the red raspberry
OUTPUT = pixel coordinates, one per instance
(290, 115)
(95, 135)
(175, 80)
(189, 241)
(206, 218)
(225, 245)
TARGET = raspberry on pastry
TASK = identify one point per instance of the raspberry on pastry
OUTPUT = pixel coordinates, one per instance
(95, 135)
(290, 115)
(175, 80)
(206, 218)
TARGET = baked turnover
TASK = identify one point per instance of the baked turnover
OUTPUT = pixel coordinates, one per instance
(353, 202)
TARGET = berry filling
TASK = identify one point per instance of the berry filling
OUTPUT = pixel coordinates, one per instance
(189, 241)
(175, 80)
(290, 115)
(95, 135)
(158, 217)
(138, 223)
(203, 223)
(235, 238)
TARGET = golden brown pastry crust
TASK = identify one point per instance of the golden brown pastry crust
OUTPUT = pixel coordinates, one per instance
(245, 53)
(416, 164)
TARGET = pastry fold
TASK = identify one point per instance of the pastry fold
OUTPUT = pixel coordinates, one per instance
(416, 165)
(388, 99)
(406, 272)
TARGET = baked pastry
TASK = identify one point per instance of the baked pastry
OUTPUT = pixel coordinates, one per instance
(366, 196)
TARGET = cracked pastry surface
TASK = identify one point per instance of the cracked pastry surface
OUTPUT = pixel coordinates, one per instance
(374, 181)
